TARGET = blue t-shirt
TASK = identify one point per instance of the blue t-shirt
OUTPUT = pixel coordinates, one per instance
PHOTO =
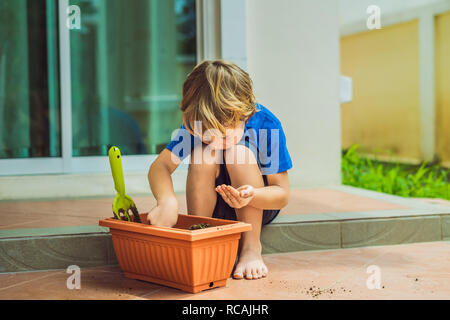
(263, 134)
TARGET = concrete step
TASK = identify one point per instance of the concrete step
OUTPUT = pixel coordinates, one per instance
(55, 248)
(58, 248)
(411, 221)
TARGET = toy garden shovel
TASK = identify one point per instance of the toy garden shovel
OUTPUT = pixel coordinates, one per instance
(122, 203)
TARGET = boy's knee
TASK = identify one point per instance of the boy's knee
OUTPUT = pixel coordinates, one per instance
(242, 166)
(204, 162)
(205, 156)
(240, 155)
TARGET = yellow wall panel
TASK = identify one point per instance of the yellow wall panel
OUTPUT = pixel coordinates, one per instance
(442, 27)
(384, 114)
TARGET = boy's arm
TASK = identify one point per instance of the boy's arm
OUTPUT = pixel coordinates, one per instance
(272, 197)
(275, 195)
(165, 213)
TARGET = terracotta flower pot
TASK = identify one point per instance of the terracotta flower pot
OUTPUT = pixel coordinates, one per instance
(190, 260)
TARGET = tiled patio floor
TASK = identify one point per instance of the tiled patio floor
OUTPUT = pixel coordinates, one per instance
(82, 212)
(413, 271)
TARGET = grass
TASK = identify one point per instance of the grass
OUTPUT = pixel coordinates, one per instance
(424, 181)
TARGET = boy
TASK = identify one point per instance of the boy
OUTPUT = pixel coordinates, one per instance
(239, 160)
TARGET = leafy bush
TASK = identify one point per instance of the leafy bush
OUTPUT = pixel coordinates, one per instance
(424, 182)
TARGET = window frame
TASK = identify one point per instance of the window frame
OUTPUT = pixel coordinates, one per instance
(208, 47)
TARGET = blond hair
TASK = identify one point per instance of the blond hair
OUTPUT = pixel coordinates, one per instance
(219, 94)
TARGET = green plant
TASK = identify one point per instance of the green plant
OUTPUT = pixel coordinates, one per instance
(424, 181)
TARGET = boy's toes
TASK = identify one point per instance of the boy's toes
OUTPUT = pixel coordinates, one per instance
(250, 266)
(256, 274)
(238, 274)
(264, 272)
(261, 273)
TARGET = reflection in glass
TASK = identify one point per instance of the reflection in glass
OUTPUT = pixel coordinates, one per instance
(29, 90)
(128, 64)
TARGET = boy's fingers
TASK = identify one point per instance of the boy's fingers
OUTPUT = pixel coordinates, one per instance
(234, 200)
(233, 191)
(224, 196)
(226, 191)
(230, 197)
(235, 195)
(219, 189)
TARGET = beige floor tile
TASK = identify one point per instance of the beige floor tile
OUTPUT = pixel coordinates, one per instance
(413, 271)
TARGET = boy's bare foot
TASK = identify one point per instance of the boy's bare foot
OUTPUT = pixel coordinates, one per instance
(250, 265)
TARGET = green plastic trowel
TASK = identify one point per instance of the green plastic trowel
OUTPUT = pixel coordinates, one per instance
(122, 203)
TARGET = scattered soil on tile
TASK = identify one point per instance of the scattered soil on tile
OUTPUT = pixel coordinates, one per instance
(317, 291)
(311, 290)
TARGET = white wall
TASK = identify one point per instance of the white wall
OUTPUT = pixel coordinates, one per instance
(293, 59)
(233, 31)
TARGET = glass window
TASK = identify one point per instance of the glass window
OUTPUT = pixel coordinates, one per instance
(29, 90)
(128, 64)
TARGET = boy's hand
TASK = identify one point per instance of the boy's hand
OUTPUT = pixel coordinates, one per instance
(164, 214)
(236, 198)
